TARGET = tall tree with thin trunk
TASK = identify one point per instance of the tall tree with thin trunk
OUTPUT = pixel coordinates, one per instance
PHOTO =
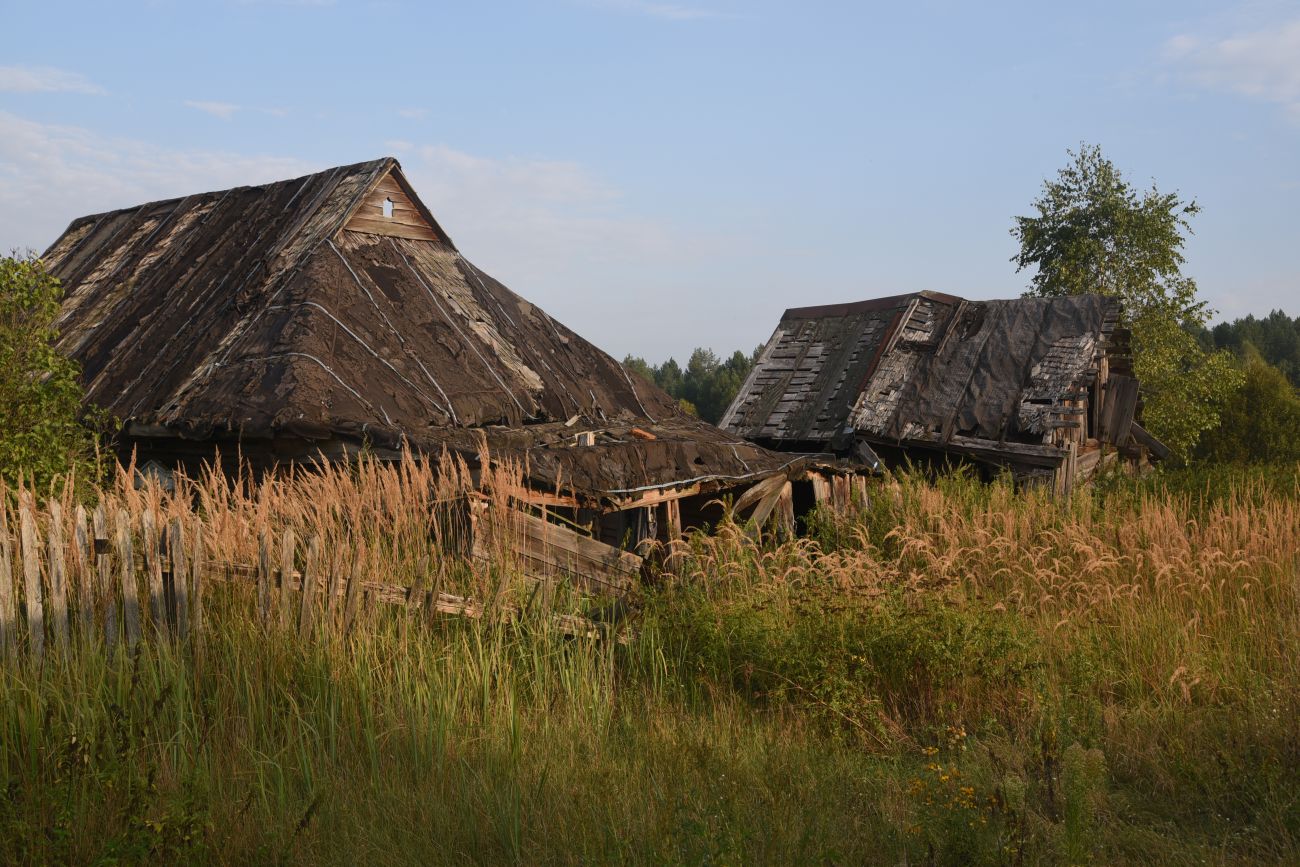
(1095, 232)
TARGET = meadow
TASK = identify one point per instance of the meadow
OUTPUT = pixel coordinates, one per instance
(958, 673)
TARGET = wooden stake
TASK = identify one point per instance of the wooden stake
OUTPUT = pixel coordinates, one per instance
(264, 580)
(31, 577)
(57, 570)
(83, 574)
(8, 598)
(104, 571)
(310, 585)
(153, 570)
(130, 589)
(286, 574)
(197, 564)
(180, 577)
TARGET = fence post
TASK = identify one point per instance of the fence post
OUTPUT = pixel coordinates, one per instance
(57, 570)
(31, 577)
(130, 590)
(83, 574)
(8, 606)
(310, 576)
(197, 564)
(354, 587)
(335, 589)
(153, 570)
(180, 577)
(286, 574)
(264, 577)
(104, 573)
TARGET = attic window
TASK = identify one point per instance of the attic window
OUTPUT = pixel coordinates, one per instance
(388, 208)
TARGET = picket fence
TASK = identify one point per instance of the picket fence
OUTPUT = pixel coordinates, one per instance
(122, 578)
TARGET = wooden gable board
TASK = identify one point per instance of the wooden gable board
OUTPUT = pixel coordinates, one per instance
(409, 217)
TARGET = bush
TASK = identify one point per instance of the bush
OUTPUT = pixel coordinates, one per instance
(45, 432)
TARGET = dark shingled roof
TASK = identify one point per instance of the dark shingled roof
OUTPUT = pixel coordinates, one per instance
(286, 310)
(922, 368)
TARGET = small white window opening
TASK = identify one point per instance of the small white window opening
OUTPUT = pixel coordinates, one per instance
(388, 208)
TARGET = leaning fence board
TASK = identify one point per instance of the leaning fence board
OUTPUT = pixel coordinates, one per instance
(57, 569)
(32, 579)
(310, 579)
(180, 576)
(264, 582)
(198, 563)
(104, 574)
(286, 570)
(8, 599)
(126, 572)
(83, 574)
(153, 569)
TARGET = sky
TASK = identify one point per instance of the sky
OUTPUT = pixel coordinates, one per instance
(665, 175)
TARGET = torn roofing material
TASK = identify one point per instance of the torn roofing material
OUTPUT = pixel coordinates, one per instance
(334, 306)
(937, 370)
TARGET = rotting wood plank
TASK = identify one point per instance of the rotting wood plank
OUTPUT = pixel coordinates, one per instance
(104, 575)
(130, 587)
(264, 580)
(311, 576)
(83, 573)
(8, 596)
(286, 569)
(180, 575)
(588, 562)
(57, 570)
(153, 569)
(31, 577)
(198, 564)
(655, 497)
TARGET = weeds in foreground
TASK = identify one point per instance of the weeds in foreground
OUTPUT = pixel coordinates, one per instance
(962, 674)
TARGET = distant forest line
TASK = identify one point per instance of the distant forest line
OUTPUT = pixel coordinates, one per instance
(1263, 419)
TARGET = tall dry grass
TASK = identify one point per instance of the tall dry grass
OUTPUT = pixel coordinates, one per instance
(956, 673)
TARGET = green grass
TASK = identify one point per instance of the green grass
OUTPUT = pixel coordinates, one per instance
(962, 675)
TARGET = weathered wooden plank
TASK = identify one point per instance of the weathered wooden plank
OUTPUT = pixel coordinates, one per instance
(83, 573)
(311, 575)
(57, 571)
(821, 488)
(549, 550)
(153, 569)
(286, 571)
(104, 574)
(264, 580)
(198, 565)
(8, 593)
(180, 576)
(655, 497)
(126, 573)
(31, 577)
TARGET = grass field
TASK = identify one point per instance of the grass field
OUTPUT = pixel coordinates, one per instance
(959, 674)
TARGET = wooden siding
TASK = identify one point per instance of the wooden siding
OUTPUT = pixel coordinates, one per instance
(406, 221)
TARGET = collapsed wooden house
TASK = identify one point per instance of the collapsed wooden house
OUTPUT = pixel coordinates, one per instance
(1043, 387)
(315, 318)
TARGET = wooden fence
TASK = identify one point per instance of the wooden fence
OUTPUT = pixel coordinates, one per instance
(118, 578)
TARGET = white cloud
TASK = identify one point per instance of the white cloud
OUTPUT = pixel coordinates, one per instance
(1260, 64)
(44, 79)
(413, 113)
(222, 110)
(50, 175)
(668, 11)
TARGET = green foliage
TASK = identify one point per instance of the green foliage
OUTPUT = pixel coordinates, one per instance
(708, 384)
(847, 661)
(44, 434)
(1261, 422)
(1276, 337)
(1094, 232)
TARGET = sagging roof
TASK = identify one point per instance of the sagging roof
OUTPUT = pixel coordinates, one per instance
(927, 368)
(334, 306)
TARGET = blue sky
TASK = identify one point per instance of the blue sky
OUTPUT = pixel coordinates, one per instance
(661, 175)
